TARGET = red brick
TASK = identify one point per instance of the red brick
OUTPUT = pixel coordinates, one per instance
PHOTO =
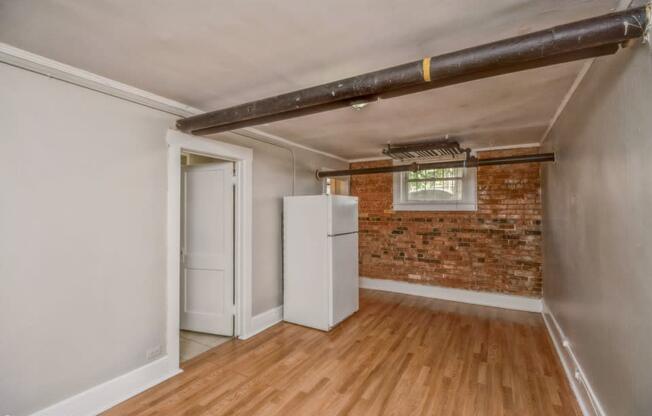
(495, 249)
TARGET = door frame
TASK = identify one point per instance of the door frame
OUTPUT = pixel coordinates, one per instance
(243, 158)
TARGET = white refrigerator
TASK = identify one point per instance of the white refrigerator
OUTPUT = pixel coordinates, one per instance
(320, 259)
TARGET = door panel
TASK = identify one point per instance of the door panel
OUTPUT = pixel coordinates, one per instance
(207, 249)
(345, 276)
(200, 287)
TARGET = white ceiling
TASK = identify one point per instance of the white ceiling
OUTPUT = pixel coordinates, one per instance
(211, 54)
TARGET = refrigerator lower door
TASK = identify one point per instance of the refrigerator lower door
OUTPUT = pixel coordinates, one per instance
(344, 277)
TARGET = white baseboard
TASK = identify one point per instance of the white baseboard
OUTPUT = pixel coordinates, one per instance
(497, 300)
(264, 320)
(586, 397)
(106, 395)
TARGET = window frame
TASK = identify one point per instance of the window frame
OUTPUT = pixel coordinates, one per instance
(467, 203)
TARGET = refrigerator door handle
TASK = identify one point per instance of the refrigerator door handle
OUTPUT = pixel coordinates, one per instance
(336, 235)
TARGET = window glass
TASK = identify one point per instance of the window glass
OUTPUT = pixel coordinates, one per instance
(445, 189)
(435, 185)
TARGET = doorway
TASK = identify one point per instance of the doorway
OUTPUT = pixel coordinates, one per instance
(207, 279)
(214, 171)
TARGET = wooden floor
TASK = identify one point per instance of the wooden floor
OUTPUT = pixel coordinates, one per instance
(399, 355)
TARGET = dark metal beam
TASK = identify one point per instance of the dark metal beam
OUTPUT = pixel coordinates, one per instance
(552, 60)
(414, 167)
(561, 58)
(572, 41)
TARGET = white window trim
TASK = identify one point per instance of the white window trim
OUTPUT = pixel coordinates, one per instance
(469, 200)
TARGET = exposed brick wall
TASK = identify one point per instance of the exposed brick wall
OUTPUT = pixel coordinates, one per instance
(495, 249)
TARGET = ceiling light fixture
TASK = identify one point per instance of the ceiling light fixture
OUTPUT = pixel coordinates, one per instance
(360, 104)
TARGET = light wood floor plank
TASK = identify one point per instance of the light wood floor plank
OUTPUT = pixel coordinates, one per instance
(399, 355)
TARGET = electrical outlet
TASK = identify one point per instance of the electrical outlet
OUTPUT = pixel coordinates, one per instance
(152, 353)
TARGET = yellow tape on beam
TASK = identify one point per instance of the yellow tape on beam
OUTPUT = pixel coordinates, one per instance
(426, 69)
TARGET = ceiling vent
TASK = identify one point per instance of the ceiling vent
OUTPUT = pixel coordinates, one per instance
(433, 149)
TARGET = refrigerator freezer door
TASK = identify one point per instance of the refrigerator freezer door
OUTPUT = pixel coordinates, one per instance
(344, 277)
(343, 214)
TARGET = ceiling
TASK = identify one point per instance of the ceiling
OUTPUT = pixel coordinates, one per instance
(211, 54)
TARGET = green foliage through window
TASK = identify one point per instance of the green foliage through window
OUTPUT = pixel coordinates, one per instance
(446, 173)
(435, 185)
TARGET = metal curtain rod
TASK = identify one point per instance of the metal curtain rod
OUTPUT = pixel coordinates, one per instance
(415, 167)
(573, 41)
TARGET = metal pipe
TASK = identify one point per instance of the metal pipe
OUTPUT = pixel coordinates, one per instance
(507, 55)
(537, 63)
(561, 58)
(415, 167)
(289, 149)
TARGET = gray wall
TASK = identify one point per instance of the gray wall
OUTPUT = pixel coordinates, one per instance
(272, 169)
(598, 229)
(82, 238)
(82, 235)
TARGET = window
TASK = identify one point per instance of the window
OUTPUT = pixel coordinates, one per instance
(336, 186)
(447, 189)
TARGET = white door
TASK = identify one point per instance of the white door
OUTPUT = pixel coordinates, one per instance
(207, 248)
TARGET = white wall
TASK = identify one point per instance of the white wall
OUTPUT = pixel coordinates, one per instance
(82, 235)
(597, 229)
